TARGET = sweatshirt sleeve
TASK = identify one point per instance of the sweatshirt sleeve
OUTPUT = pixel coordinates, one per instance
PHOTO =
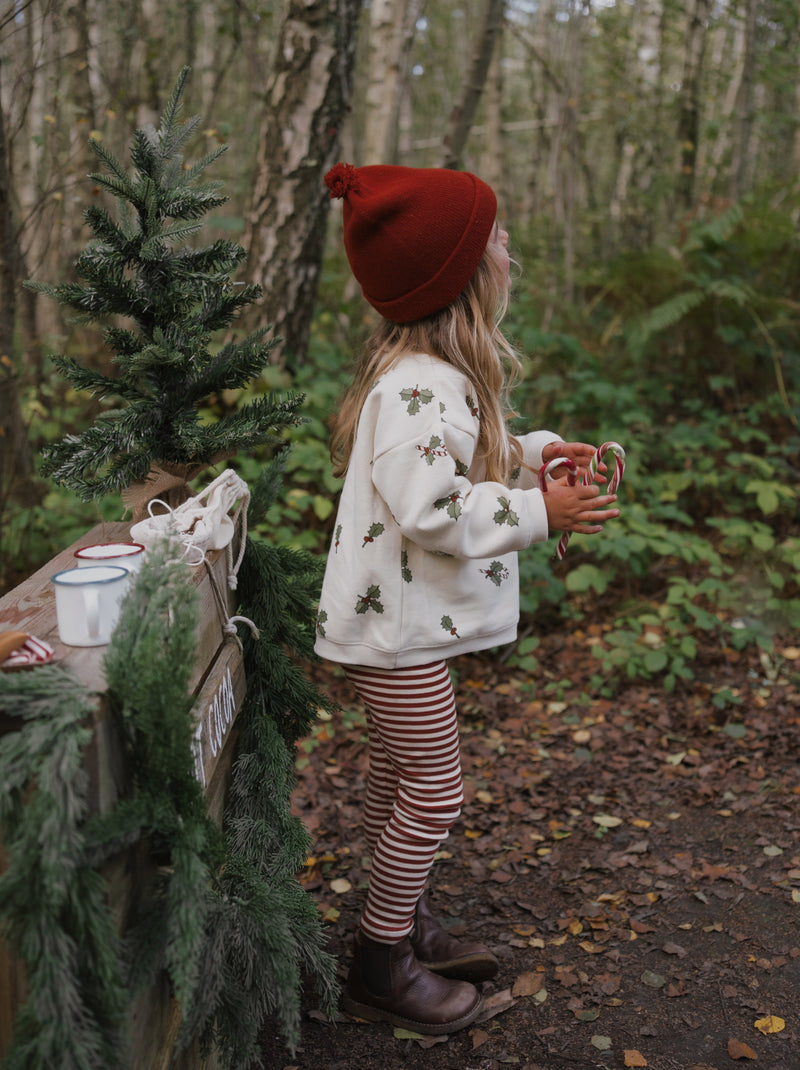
(532, 445)
(424, 440)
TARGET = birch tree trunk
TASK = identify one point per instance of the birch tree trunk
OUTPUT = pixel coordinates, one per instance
(463, 113)
(306, 101)
(689, 117)
(391, 33)
(743, 109)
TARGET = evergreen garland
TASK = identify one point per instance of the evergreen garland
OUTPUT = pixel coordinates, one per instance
(139, 268)
(51, 902)
(225, 917)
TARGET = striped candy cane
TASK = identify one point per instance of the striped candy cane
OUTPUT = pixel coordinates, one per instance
(572, 477)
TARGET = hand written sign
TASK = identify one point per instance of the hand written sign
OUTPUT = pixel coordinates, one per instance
(216, 709)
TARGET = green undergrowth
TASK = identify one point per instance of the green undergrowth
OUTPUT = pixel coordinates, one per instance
(688, 357)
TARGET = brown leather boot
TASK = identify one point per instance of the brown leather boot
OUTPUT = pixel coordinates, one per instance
(441, 953)
(387, 984)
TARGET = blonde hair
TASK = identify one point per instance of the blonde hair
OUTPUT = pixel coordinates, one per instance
(465, 334)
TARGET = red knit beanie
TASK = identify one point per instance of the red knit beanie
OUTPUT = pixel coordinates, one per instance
(413, 236)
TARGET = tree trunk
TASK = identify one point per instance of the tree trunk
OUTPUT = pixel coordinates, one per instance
(463, 113)
(307, 99)
(16, 460)
(391, 33)
(689, 117)
(494, 169)
(743, 110)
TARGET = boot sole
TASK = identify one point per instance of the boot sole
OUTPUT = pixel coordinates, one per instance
(378, 1014)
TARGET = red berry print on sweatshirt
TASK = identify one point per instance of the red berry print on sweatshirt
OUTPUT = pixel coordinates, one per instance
(461, 468)
(370, 600)
(473, 408)
(505, 514)
(496, 572)
(448, 626)
(434, 449)
(416, 398)
(337, 537)
(372, 533)
(452, 503)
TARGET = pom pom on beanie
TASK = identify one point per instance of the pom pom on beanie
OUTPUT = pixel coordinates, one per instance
(413, 236)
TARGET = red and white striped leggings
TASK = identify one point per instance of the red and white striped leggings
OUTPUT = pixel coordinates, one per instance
(414, 788)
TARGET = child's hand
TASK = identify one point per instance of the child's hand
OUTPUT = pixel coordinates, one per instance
(579, 452)
(578, 508)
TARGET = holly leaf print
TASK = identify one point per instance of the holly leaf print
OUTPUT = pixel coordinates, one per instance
(370, 600)
(506, 515)
(416, 398)
(321, 619)
(337, 536)
(461, 468)
(452, 503)
(448, 626)
(515, 473)
(434, 449)
(496, 572)
(405, 571)
(374, 531)
(473, 408)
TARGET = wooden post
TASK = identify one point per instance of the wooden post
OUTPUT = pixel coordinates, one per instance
(218, 682)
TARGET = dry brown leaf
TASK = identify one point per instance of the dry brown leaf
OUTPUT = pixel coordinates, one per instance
(527, 984)
(738, 1050)
(496, 1004)
(479, 1036)
(634, 1058)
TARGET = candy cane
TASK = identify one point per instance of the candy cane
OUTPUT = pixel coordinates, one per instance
(572, 477)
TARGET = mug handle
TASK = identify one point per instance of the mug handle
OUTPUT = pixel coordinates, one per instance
(91, 603)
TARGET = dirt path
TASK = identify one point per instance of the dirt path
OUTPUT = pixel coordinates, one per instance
(634, 863)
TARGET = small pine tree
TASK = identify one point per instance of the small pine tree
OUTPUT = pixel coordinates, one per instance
(160, 301)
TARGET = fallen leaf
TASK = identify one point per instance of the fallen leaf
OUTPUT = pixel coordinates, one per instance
(341, 885)
(602, 1043)
(588, 1014)
(406, 1034)
(653, 980)
(527, 984)
(770, 1024)
(496, 1004)
(479, 1036)
(606, 821)
(428, 1042)
(634, 1058)
(675, 949)
(738, 1050)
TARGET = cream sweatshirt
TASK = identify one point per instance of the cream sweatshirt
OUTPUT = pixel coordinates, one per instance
(423, 562)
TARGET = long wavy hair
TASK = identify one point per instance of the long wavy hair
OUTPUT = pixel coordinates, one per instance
(465, 334)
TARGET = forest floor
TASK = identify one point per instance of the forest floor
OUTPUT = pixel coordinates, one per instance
(634, 863)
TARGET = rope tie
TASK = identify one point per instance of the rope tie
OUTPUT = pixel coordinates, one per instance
(588, 477)
(229, 623)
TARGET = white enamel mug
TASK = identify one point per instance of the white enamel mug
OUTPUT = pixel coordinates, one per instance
(125, 554)
(88, 603)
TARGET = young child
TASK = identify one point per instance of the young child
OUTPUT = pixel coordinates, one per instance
(438, 497)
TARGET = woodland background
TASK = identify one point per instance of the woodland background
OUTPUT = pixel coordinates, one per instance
(647, 162)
